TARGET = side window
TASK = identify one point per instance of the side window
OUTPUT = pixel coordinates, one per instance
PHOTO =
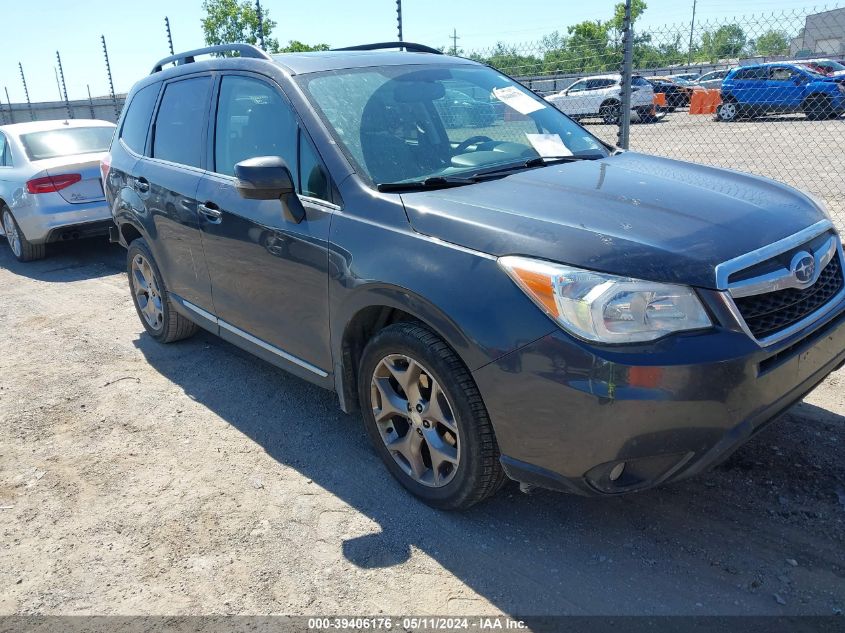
(137, 119)
(252, 120)
(180, 121)
(314, 180)
(781, 74)
(4, 152)
(578, 86)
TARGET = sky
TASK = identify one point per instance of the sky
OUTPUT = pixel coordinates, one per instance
(34, 30)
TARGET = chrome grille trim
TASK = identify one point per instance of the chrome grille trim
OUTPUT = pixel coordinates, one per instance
(728, 268)
(775, 281)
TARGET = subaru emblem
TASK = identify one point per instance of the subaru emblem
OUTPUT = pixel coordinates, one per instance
(803, 268)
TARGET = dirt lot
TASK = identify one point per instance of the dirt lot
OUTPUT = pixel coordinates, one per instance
(145, 479)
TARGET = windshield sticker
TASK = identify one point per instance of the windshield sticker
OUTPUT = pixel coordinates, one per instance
(517, 100)
(548, 145)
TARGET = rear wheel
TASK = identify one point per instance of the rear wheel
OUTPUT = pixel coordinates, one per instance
(150, 297)
(728, 111)
(22, 248)
(426, 420)
(818, 108)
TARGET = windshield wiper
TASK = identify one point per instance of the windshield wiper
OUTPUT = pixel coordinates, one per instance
(537, 161)
(434, 182)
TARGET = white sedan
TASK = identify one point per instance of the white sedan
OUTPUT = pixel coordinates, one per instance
(601, 96)
(50, 188)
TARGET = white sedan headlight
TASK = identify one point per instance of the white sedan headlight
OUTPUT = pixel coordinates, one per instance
(606, 308)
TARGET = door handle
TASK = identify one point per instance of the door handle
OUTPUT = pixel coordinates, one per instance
(142, 185)
(210, 211)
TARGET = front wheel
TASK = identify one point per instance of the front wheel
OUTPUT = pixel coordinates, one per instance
(150, 297)
(426, 420)
(818, 108)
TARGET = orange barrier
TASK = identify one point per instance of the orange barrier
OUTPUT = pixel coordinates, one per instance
(660, 99)
(704, 101)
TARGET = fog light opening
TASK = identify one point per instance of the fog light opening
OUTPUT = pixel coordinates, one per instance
(616, 471)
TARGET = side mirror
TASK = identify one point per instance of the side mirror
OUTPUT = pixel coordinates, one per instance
(268, 178)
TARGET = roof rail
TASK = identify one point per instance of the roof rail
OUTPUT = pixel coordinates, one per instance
(410, 46)
(246, 50)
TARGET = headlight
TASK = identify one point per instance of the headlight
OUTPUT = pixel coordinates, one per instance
(606, 308)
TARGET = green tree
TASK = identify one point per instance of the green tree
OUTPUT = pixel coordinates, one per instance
(726, 42)
(772, 43)
(295, 46)
(229, 21)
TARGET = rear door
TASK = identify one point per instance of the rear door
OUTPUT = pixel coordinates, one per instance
(166, 182)
(269, 274)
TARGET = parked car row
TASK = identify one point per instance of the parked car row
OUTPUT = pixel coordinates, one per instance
(527, 302)
(746, 92)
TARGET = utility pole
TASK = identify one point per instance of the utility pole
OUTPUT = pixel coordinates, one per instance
(169, 38)
(108, 72)
(627, 63)
(399, 19)
(691, 35)
(455, 39)
(26, 92)
(260, 24)
(64, 86)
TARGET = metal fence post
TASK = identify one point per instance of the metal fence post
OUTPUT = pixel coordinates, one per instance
(627, 63)
(9, 102)
(169, 36)
(64, 86)
(108, 72)
(26, 93)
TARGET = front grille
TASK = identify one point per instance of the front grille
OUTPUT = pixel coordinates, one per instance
(772, 312)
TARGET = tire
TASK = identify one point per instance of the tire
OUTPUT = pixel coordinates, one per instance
(728, 111)
(611, 112)
(458, 426)
(818, 108)
(157, 315)
(22, 248)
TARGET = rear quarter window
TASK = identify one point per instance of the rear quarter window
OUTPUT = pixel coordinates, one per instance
(137, 120)
(181, 120)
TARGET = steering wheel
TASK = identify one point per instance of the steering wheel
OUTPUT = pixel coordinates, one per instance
(472, 140)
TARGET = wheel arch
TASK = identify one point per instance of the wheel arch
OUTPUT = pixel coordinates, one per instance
(368, 312)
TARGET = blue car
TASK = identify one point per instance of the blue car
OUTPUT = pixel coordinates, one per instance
(776, 88)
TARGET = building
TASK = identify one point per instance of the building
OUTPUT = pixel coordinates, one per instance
(823, 35)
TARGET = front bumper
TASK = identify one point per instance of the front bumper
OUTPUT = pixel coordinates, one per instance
(49, 218)
(593, 421)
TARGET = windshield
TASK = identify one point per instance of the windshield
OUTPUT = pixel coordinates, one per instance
(410, 123)
(67, 141)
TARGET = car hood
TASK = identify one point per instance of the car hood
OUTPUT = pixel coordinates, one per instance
(630, 214)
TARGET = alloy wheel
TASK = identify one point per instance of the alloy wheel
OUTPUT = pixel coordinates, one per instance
(147, 292)
(728, 111)
(415, 420)
(12, 235)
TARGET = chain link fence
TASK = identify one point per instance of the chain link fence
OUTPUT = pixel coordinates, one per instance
(780, 115)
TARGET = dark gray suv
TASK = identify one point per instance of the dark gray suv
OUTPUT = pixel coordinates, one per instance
(500, 293)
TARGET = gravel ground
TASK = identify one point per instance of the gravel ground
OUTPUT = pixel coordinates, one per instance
(137, 478)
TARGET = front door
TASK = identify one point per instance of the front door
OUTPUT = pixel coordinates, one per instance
(269, 274)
